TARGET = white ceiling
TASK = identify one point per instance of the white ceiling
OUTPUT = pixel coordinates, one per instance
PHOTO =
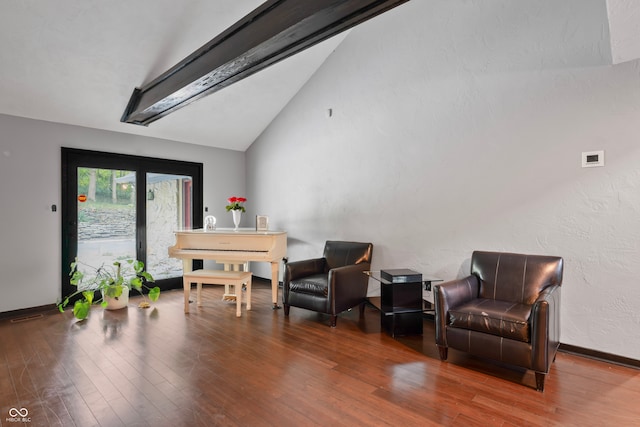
(78, 61)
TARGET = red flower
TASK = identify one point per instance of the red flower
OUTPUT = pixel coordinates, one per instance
(235, 204)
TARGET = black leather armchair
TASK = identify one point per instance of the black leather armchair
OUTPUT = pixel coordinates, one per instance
(508, 310)
(330, 284)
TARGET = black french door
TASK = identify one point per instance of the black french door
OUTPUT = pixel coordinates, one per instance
(117, 207)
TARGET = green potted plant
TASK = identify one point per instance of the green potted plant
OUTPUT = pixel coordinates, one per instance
(114, 283)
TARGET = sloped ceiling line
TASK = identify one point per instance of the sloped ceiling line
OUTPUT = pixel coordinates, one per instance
(272, 32)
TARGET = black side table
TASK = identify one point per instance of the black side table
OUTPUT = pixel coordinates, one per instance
(400, 306)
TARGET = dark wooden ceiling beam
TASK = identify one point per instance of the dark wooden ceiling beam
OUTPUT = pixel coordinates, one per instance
(272, 32)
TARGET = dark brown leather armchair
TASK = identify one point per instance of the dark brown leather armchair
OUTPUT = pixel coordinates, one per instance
(330, 284)
(508, 310)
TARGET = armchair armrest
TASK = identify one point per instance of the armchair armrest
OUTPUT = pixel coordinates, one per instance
(353, 271)
(347, 285)
(456, 292)
(451, 294)
(545, 328)
(297, 269)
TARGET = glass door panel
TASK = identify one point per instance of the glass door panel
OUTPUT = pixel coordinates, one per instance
(169, 208)
(115, 208)
(106, 216)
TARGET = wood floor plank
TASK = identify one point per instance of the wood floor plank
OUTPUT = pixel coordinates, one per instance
(159, 367)
(79, 411)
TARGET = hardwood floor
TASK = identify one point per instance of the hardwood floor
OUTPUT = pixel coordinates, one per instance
(160, 367)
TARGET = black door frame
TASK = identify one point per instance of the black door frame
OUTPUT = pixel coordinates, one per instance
(73, 158)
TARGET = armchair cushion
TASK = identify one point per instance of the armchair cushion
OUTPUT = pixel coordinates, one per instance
(315, 284)
(339, 254)
(501, 318)
(515, 277)
(307, 267)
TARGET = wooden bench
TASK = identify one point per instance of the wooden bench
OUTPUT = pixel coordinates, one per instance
(230, 290)
(217, 277)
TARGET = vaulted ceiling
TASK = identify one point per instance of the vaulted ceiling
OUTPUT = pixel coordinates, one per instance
(78, 61)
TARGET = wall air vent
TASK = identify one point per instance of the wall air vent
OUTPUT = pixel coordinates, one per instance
(592, 159)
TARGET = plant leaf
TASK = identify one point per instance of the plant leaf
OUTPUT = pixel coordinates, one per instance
(148, 277)
(138, 266)
(76, 277)
(113, 291)
(88, 295)
(73, 266)
(81, 309)
(136, 283)
(154, 293)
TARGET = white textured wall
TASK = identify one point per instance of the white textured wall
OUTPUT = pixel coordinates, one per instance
(459, 125)
(30, 183)
(624, 29)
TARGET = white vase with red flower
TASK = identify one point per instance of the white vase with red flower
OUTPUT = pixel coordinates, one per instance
(236, 207)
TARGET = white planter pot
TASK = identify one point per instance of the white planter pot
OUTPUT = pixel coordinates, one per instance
(116, 303)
